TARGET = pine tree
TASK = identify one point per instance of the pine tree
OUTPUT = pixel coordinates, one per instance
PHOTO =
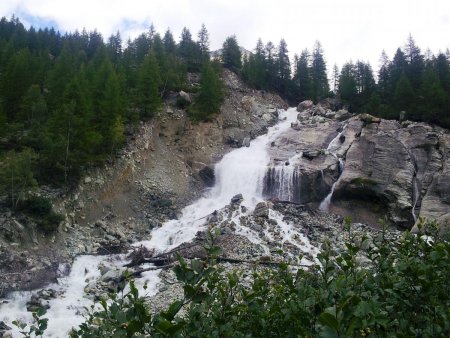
(443, 71)
(347, 85)
(169, 42)
(435, 100)
(302, 77)
(189, 51)
(210, 94)
(415, 63)
(149, 81)
(404, 94)
(320, 86)
(335, 79)
(203, 43)
(384, 78)
(16, 80)
(271, 67)
(114, 47)
(397, 69)
(283, 67)
(231, 54)
(33, 107)
(59, 76)
(107, 105)
(17, 175)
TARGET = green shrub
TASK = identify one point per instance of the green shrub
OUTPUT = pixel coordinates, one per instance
(41, 210)
(182, 103)
(50, 222)
(37, 206)
(401, 291)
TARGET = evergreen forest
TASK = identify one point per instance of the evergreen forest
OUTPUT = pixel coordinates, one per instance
(67, 101)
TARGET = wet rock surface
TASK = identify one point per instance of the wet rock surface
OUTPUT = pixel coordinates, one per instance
(401, 168)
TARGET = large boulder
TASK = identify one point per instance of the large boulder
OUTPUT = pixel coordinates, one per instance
(185, 96)
(261, 210)
(304, 105)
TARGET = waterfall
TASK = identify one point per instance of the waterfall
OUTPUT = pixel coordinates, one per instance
(416, 195)
(332, 147)
(325, 204)
(282, 182)
(240, 171)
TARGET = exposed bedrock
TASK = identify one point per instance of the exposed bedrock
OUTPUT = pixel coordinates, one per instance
(402, 169)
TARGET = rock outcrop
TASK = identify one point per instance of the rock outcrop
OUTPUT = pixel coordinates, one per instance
(400, 170)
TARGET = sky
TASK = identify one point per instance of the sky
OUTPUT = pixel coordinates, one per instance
(347, 29)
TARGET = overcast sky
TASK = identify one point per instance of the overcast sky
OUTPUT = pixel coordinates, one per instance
(347, 29)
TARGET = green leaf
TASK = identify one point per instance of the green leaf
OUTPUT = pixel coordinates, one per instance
(362, 309)
(121, 317)
(197, 265)
(329, 320)
(173, 310)
(134, 326)
(164, 326)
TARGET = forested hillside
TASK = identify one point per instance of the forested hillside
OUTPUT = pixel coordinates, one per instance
(67, 100)
(411, 81)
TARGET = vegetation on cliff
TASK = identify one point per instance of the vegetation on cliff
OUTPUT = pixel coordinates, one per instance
(67, 100)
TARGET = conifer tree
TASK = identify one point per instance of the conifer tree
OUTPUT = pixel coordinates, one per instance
(404, 94)
(148, 84)
(33, 107)
(415, 63)
(347, 84)
(210, 95)
(114, 47)
(203, 43)
(384, 78)
(283, 67)
(231, 53)
(271, 67)
(189, 51)
(335, 79)
(320, 86)
(169, 42)
(302, 77)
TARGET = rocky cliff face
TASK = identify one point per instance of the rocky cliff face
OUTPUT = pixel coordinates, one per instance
(399, 170)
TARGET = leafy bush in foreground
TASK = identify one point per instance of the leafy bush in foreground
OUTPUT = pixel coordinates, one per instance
(401, 290)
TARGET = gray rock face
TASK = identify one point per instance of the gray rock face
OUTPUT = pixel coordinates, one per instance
(207, 176)
(436, 202)
(401, 169)
(304, 105)
(379, 167)
(261, 210)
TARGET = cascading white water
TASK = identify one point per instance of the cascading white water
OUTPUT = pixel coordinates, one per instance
(332, 147)
(325, 204)
(416, 195)
(240, 171)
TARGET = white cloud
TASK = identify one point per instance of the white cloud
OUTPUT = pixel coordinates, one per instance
(348, 29)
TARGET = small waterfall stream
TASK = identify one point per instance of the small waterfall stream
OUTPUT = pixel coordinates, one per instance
(240, 171)
(416, 195)
(333, 146)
